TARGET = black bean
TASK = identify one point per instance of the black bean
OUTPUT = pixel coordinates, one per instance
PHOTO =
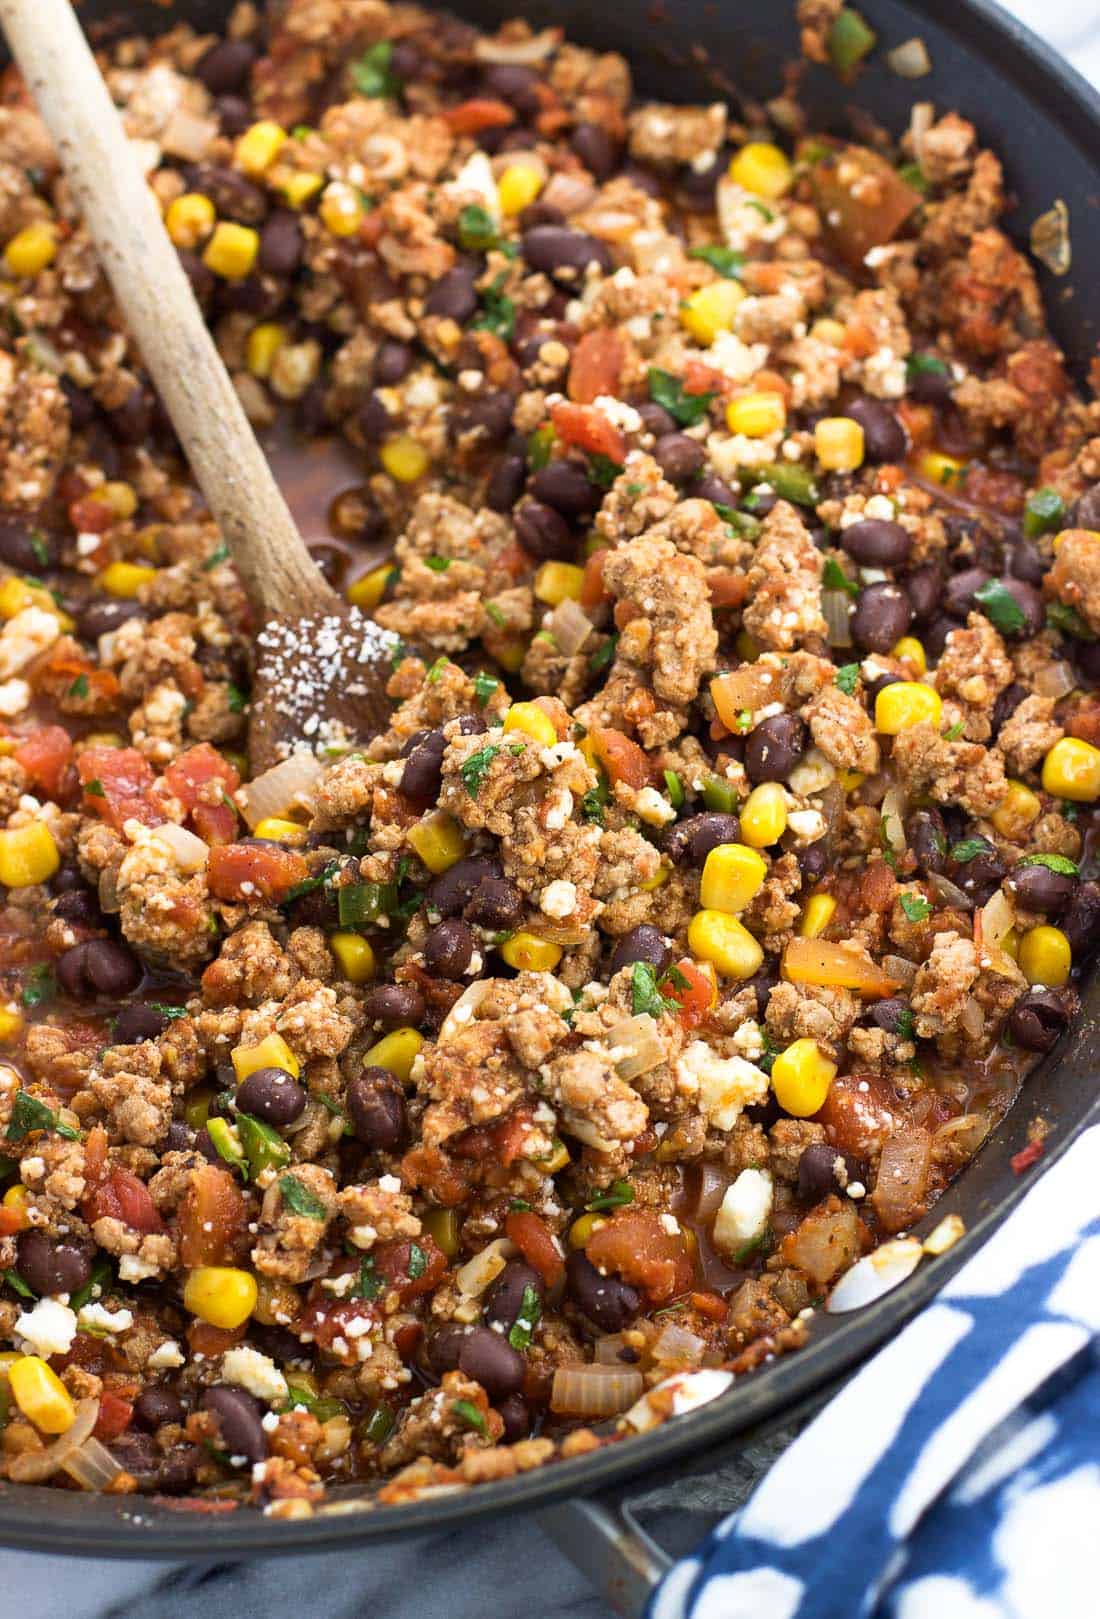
(1085, 511)
(884, 437)
(443, 1348)
(759, 505)
(882, 615)
(927, 837)
(82, 407)
(1027, 563)
(204, 1143)
(81, 906)
(423, 772)
(452, 890)
(514, 83)
(25, 548)
(1081, 922)
(49, 1266)
(203, 280)
(813, 862)
(1040, 889)
(240, 1418)
(104, 617)
(924, 587)
(332, 561)
(393, 361)
(490, 1360)
(1038, 1018)
(961, 589)
(98, 966)
(233, 195)
(273, 1095)
(643, 943)
(515, 1413)
(1030, 603)
(889, 1014)
(179, 1137)
(394, 1006)
(544, 533)
(374, 420)
(817, 1171)
(454, 295)
(559, 251)
(696, 186)
(935, 636)
(449, 948)
(155, 1406)
(705, 831)
(506, 483)
(600, 152)
(376, 1107)
(495, 904)
(470, 724)
(931, 387)
(711, 487)
(609, 1303)
(678, 456)
(880, 683)
(225, 66)
(407, 62)
(489, 415)
(132, 421)
(504, 1299)
(1008, 701)
(877, 543)
(281, 243)
(234, 115)
(774, 747)
(540, 213)
(566, 487)
(979, 878)
(138, 1022)
(1087, 657)
(656, 419)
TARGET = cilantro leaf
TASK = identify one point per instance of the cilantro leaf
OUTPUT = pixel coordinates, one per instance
(371, 75)
(907, 1025)
(476, 230)
(167, 1011)
(323, 1407)
(539, 445)
(484, 687)
(594, 802)
(476, 767)
(498, 312)
(418, 1261)
(918, 365)
(915, 906)
(437, 564)
(530, 1309)
(726, 260)
(602, 471)
(17, 1284)
(79, 687)
(369, 1284)
(617, 1196)
(216, 557)
(299, 1199)
(468, 1413)
(834, 578)
(969, 849)
(39, 547)
(1061, 617)
(30, 1113)
(236, 699)
(669, 392)
(1053, 862)
(846, 677)
(603, 655)
(1001, 607)
(41, 986)
(435, 673)
(644, 994)
(953, 732)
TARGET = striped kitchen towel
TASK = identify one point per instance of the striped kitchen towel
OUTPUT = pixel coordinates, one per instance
(957, 1476)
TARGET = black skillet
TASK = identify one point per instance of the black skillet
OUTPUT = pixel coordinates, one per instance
(1044, 121)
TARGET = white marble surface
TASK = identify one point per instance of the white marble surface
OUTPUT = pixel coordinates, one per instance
(448, 1575)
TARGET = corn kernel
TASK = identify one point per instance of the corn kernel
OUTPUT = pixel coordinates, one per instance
(221, 1295)
(764, 815)
(1045, 957)
(732, 874)
(909, 650)
(41, 1395)
(510, 654)
(442, 1226)
(396, 1052)
(526, 952)
(720, 939)
(276, 830)
(271, 1052)
(518, 187)
(658, 880)
(28, 855)
(404, 459)
(829, 331)
(817, 913)
(15, 1199)
(585, 1227)
(190, 219)
(1010, 944)
(850, 780)
(555, 1160)
(533, 722)
(231, 251)
(264, 342)
(942, 469)
(1016, 811)
(710, 310)
(756, 415)
(904, 704)
(124, 579)
(258, 147)
(11, 1024)
(367, 591)
(438, 840)
(801, 1077)
(838, 443)
(762, 168)
(31, 249)
(341, 209)
(1072, 770)
(16, 594)
(120, 497)
(300, 186)
(556, 582)
(278, 1303)
(355, 956)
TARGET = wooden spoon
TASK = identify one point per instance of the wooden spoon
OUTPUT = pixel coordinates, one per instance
(320, 666)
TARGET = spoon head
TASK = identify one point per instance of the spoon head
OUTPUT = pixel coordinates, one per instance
(319, 679)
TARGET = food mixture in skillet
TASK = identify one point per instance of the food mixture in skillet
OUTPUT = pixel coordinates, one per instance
(547, 1061)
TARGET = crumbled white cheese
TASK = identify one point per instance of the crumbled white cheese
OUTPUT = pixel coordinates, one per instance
(255, 1372)
(551, 758)
(559, 898)
(723, 1085)
(32, 1170)
(133, 1269)
(619, 413)
(737, 360)
(807, 825)
(881, 508)
(97, 1315)
(744, 1211)
(25, 637)
(49, 1328)
(748, 1040)
(14, 697)
(165, 1356)
(652, 808)
(389, 1183)
(476, 176)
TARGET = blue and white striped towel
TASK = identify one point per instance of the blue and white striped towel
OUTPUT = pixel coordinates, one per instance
(958, 1475)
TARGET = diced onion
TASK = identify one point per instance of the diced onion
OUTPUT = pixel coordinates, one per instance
(1054, 680)
(594, 1391)
(949, 891)
(910, 60)
(893, 824)
(565, 931)
(608, 1349)
(636, 1046)
(532, 48)
(676, 1346)
(713, 1178)
(901, 968)
(997, 920)
(188, 851)
(569, 193)
(475, 1275)
(1050, 241)
(286, 786)
(872, 1277)
(92, 1466)
(34, 1466)
(836, 611)
(971, 1018)
(959, 1139)
(839, 966)
(187, 136)
(570, 626)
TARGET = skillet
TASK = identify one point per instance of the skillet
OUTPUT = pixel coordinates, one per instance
(1044, 122)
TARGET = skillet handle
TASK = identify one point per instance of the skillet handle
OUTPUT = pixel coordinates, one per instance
(622, 1562)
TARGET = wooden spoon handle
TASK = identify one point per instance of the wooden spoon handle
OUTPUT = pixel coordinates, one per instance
(159, 307)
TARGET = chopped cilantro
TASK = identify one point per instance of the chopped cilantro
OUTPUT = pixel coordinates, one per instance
(953, 732)
(39, 547)
(1068, 810)
(97, 1284)
(726, 260)
(594, 802)
(742, 525)
(79, 687)
(372, 75)
(236, 699)
(94, 789)
(167, 1011)
(603, 655)
(672, 975)
(644, 994)
(1043, 513)
(418, 1261)
(669, 392)
(470, 1415)
(1061, 617)
(323, 1407)
(762, 209)
(435, 673)
(530, 1309)
(41, 986)
(889, 853)
(907, 1027)
(1053, 862)
(846, 677)
(1001, 607)
(602, 471)
(475, 769)
(299, 1199)
(788, 481)
(437, 564)
(755, 1245)
(476, 230)
(617, 1196)
(834, 578)
(539, 445)
(216, 557)
(496, 614)
(969, 849)
(918, 365)
(498, 312)
(912, 176)
(484, 687)
(519, 1206)
(916, 907)
(29, 1113)
(369, 1284)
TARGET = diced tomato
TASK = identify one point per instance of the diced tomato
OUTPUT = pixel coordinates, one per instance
(860, 1111)
(694, 987)
(862, 199)
(482, 112)
(202, 780)
(114, 1416)
(593, 589)
(727, 589)
(589, 429)
(413, 1268)
(11, 1221)
(435, 1173)
(623, 759)
(1026, 1158)
(116, 783)
(326, 1320)
(700, 378)
(596, 366)
(91, 516)
(247, 871)
(73, 681)
(122, 1196)
(536, 1242)
(46, 756)
(712, 1305)
(210, 1342)
(634, 1243)
(211, 1217)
